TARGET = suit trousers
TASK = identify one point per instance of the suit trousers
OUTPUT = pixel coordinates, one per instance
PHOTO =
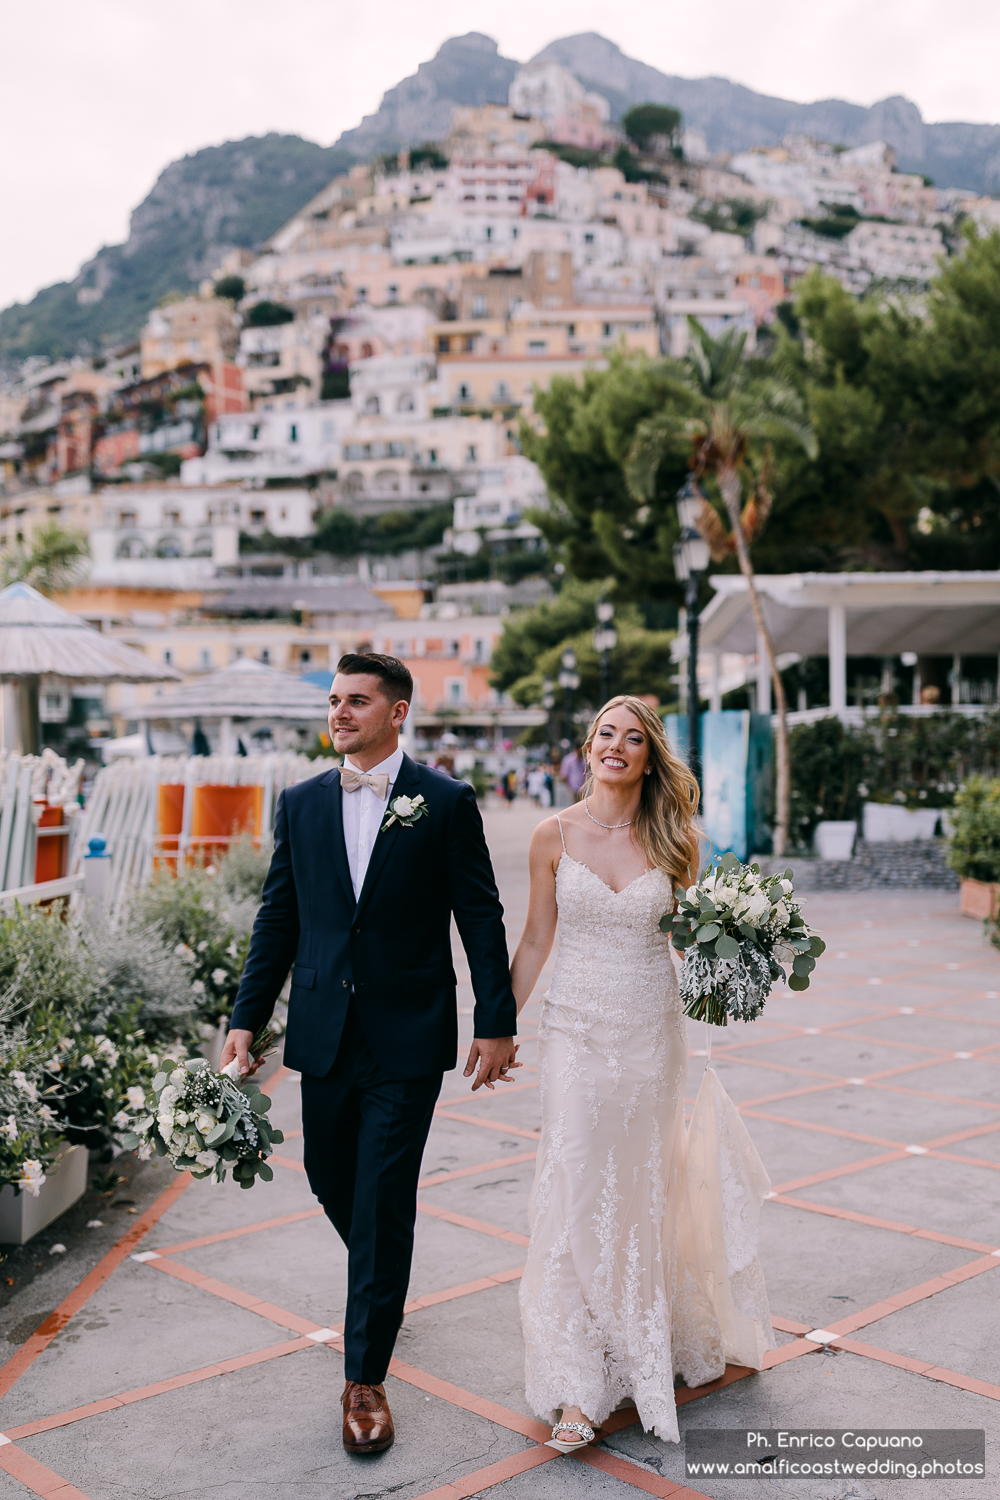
(363, 1138)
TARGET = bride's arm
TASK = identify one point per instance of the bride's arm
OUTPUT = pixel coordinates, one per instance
(540, 926)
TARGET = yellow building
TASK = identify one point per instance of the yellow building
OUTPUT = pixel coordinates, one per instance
(194, 330)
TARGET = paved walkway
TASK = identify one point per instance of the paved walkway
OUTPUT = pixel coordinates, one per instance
(200, 1356)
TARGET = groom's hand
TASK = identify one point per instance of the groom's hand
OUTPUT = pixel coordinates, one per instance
(494, 1056)
(237, 1045)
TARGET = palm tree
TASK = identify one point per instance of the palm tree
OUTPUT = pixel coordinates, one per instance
(740, 412)
(51, 563)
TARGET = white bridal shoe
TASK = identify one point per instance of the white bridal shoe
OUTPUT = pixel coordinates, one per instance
(587, 1434)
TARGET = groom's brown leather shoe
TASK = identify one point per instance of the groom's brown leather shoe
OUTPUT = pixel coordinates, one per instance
(367, 1419)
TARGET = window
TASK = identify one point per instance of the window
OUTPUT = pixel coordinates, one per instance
(366, 351)
(362, 294)
(206, 659)
(393, 293)
(470, 454)
(443, 344)
(405, 402)
(293, 433)
(258, 517)
(571, 330)
(479, 650)
(255, 432)
(588, 239)
(265, 655)
(372, 406)
(454, 689)
(537, 346)
(489, 231)
(479, 306)
(464, 392)
(305, 657)
(607, 330)
(469, 343)
(168, 657)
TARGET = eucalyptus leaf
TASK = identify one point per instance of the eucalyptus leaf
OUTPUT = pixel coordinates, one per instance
(129, 1140)
(727, 947)
(796, 919)
(789, 874)
(666, 922)
(747, 930)
(277, 1137)
(708, 933)
(265, 1172)
(218, 1135)
(798, 982)
(816, 946)
(804, 964)
(729, 861)
(159, 1082)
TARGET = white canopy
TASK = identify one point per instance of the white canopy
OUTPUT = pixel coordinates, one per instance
(246, 690)
(857, 614)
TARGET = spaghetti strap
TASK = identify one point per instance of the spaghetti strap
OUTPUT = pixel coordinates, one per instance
(561, 834)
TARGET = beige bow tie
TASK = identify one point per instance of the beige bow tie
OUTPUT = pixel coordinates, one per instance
(350, 780)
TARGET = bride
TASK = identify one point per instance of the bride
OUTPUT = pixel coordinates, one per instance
(642, 1266)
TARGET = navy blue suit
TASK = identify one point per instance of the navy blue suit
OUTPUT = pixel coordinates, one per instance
(372, 1019)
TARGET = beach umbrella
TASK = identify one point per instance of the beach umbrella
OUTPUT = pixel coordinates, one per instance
(39, 638)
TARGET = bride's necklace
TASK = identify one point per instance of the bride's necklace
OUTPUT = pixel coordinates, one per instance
(590, 815)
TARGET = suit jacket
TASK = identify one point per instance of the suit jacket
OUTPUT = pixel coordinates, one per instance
(391, 948)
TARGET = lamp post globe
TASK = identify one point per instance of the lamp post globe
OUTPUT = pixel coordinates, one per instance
(691, 560)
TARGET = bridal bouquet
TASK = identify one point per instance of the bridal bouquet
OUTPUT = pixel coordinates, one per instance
(736, 928)
(203, 1121)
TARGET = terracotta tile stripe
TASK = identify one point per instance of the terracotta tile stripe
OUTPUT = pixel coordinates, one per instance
(36, 1477)
(288, 1162)
(921, 1367)
(464, 1222)
(144, 1392)
(233, 1234)
(961, 1135)
(639, 1478)
(914, 1294)
(485, 1479)
(787, 1352)
(484, 1284)
(529, 1135)
(970, 1103)
(431, 1385)
(487, 1166)
(969, 1161)
(233, 1294)
(84, 1290)
(847, 1135)
(845, 1171)
(874, 1223)
(481, 1094)
(785, 1325)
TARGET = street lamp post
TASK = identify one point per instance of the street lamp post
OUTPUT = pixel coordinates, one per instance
(605, 641)
(569, 681)
(548, 703)
(691, 559)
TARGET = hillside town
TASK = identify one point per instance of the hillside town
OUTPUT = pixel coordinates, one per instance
(371, 366)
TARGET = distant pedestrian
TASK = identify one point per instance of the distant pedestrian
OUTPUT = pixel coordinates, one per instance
(537, 784)
(573, 770)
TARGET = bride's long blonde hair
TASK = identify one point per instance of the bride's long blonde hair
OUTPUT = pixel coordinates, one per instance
(664, 825)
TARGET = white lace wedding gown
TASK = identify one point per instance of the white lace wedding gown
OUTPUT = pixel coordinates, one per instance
(643, 1257)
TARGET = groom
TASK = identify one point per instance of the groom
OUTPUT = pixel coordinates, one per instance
(370, 862)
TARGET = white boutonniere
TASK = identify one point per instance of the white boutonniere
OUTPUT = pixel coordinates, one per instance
(405, 811)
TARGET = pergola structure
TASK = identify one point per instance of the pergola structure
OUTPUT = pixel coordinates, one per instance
(854, 614)
(247, 693)
(41, 640)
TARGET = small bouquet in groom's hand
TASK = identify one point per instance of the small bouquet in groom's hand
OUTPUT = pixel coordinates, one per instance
(736, 928)
(205, 1122)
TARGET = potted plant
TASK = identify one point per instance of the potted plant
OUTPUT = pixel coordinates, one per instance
(974, 849)
(826, 764)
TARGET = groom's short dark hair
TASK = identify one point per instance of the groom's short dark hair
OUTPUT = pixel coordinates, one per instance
(394, 678)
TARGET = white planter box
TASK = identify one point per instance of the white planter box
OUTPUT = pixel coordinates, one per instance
(835, 840)
(888, 824)
(22, 1216)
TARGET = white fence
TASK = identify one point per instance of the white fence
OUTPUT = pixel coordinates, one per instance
(31, 785)
(123, 807)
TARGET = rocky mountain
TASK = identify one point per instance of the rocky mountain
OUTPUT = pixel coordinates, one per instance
(199, 207)
(735, 118)
(467, 70)
(239, 193)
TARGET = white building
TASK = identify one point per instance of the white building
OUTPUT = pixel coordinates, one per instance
(495, 512)
(289, 443)
(550, 92)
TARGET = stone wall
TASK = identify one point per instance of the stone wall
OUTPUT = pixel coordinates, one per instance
(919, 865)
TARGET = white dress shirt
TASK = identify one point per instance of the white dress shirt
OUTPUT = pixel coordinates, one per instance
(364, 814)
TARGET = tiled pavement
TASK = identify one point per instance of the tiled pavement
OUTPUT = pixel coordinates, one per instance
(201, 1356)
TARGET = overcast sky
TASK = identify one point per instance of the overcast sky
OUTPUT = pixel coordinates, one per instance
(98, 98)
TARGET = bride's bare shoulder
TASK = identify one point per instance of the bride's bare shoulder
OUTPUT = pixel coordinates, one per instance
(546, 841)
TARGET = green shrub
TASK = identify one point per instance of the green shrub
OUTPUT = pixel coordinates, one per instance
(827, 765)
(974, 850)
